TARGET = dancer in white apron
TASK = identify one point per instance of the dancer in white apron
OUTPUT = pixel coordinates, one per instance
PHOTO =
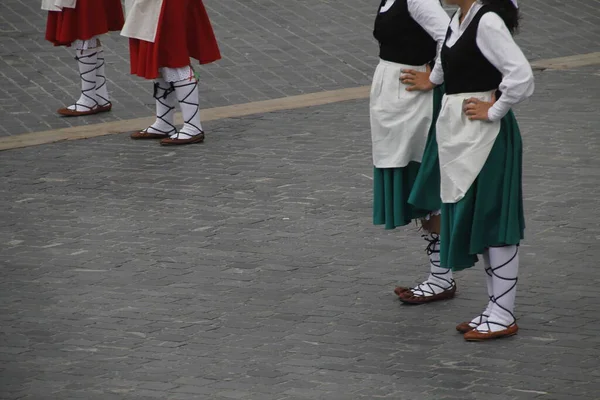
(81, 23)
(485, 74)
(410, 34)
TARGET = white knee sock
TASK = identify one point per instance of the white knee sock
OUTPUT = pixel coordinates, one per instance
(164, 95)
(86, 60)
(505, 270)
(187, 95)
(186, 88)
(440, 279)
(102, 96)
(483, 317)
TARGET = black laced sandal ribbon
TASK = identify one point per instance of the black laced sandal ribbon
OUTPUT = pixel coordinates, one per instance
(182, 138)
(88, 110)
(468, 326)
(426, 292)
(478, 334)
(161, 98)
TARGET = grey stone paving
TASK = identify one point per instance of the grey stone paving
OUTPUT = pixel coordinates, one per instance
(248, 268)
(271, 49)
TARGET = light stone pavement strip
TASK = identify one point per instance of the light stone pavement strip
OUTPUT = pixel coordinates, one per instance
(248, 268)
(271, 49)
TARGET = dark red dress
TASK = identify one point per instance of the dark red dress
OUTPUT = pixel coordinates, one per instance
(184, 32)
(88, 19)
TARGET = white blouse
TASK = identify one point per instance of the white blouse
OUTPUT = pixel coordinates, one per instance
(430, 15)
(497, 45)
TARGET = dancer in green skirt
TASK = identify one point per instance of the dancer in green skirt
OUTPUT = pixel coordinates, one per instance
(480, 151)
(410, 35)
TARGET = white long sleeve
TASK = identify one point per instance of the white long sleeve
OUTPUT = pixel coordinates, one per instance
(430, 15)
(497, 45)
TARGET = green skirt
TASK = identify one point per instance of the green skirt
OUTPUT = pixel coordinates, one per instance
(491, 213)
(401, 195)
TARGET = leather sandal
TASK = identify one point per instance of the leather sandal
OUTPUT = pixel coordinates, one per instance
(67, 112)
(410, 297)
(464, 327)
(400, 290)
(144, 135)
(476, 336)
(170, 141)
(105, 108)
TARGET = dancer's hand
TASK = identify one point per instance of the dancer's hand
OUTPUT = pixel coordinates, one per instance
(416, 80)
(476, 109)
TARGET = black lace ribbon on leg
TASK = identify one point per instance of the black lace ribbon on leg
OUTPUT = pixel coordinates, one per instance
(84, 59)
(494, 299)
(188, 121)
(161, 97)
(428, 288)
(99, 64)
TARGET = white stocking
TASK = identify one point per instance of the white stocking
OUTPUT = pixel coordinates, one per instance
(187, 95)
(164, 95)
(440, 279)
(504, 263)
(483, 317)
(86, 60)
(102, 96)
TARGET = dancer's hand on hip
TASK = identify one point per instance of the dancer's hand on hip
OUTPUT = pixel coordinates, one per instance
(477, 110)
(416, 80)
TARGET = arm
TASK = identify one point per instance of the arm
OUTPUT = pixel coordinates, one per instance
(498, 46)
(430, 15)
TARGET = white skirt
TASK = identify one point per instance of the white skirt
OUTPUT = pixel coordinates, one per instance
(463, 145)
(142, 18)
(400, 120)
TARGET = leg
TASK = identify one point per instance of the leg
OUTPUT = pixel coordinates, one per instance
(465, 327)
(102, 96)
(163, 127)
(440, 284)
(501, 322)
(186, 89)
(87, 58)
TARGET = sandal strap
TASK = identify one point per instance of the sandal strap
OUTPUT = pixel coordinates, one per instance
(492, 271)
(84, 59)
(427, 288)
(161, 97)
(193, 85)
(99, 64)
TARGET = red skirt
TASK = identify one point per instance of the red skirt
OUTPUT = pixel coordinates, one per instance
(184, 32)
(88, 19)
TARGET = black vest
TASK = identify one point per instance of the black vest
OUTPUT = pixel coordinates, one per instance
(466, 70)
(401, 39)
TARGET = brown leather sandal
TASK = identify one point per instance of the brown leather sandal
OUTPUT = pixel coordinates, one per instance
(409, 297)
(67, 112)
(464, 327)
(198, 138)
(105, 108)
(400, 290)
(476, 336)
(144, 135)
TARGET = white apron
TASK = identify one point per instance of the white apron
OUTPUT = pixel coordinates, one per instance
(463, 145)
(400, 120)
(58, 5)
(142, 17)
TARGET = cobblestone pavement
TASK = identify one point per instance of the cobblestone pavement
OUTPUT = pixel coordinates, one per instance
(271, 49)
(248, 268)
